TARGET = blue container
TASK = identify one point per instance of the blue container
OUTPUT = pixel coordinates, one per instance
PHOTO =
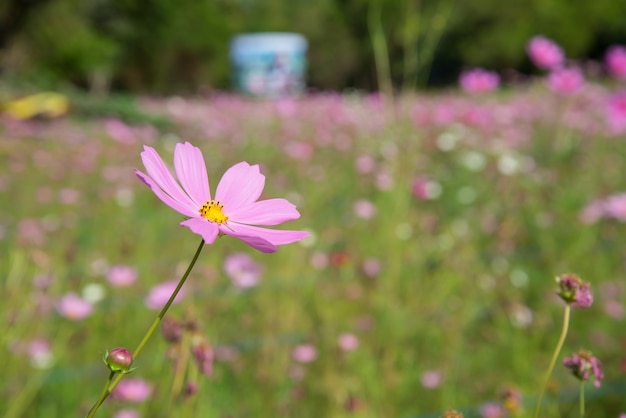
(269, 65)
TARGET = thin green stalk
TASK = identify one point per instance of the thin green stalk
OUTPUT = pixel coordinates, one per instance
(582, 399)
(379, 46)
(555, 356)
(109, 388)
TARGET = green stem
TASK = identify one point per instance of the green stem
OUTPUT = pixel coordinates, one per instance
(109, 387)
(103, 395)
(555, 356)
(582, 399)
(379, 47)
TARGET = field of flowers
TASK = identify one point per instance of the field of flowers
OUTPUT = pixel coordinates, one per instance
(437, 224)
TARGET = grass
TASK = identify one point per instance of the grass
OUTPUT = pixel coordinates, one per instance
(465, 286)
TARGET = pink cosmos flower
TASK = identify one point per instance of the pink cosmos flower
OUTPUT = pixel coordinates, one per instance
(235, 209)
(478, 81)
(132, 390)
(431, 379)
(243, 270)
(616, 113)
(545, 53)
(566, 80)
(615, 61)
(161, 293)
(304, 353)
(122, 276)
(127, 413)
(73, 307)
(615, 207)
(348, 342)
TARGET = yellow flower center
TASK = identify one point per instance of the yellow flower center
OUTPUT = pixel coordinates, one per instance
(212, 210)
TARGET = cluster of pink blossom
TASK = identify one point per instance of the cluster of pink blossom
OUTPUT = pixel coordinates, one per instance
(612, 207)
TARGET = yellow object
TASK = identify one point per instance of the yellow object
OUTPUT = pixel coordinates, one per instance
(48, 105)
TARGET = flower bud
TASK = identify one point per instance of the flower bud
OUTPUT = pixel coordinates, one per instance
(451, 413)
(583, 365)
(574, 291)
(119, 360)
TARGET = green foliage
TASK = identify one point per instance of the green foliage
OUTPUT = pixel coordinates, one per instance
(165, 46)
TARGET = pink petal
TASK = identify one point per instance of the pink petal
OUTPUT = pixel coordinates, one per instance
(191, 171)
(259, 244)
(159, 172)
(180, 207)
(273, 236)
(207, 230)
(240, 185)
(265, 212)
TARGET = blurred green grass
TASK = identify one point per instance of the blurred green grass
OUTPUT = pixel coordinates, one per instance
(466, 284)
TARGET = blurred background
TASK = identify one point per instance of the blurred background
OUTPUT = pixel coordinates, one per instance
(161, 46)
(439, 219)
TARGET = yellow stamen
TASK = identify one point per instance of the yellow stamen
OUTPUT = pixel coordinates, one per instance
(212, 210)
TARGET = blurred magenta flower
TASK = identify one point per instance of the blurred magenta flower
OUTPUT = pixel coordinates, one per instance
(584, 365)
(615, 61)
(235, 209)
(479, 80)
(566, 81)
(616, 113)
(122, 276)
(242, 270)
(545, 53)
(73, 307)
(304, 353)
(132, 390)
(159, 295)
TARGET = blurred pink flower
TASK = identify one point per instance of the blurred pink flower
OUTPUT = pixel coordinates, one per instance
(584, 365)
(545, 53)
(492, 410)
(365, 164)
(68, 196)
(566, 81)
(615, 61)
(479, 80)
(127, 413)
(119, 131)
(593, 212)
(616, 113)
(235, 209)
(122, 276)
(348, 342)
(615, 207)
(614, 309)
(431, 379)
(160, 294)
(132, 390)
(364, 209)
(242, 270)
(40, 353)
(371, 267)
(72, 306)
(304, 353)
